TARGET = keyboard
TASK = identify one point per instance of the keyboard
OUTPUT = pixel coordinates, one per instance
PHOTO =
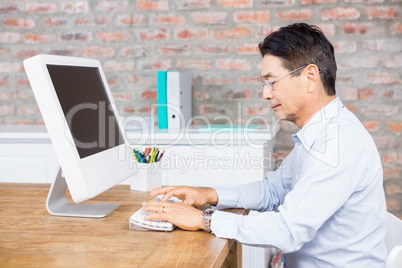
(137, 221)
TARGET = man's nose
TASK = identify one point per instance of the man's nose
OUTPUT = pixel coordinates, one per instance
(267, 93)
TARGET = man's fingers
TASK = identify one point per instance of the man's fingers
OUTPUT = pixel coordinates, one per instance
(171, 193)
(159, 191)
(154, 205)
(189, 201)
(157, 216)
(160, 208)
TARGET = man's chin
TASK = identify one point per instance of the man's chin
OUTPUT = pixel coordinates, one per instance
(280, 116)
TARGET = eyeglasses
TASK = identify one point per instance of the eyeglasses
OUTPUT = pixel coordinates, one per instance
(270, 84)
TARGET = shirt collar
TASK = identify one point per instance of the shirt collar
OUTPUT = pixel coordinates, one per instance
(310, 131)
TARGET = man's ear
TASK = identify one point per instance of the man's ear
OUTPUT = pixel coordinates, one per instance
(313, 77)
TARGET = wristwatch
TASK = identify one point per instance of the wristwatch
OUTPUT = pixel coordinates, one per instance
(206, 219)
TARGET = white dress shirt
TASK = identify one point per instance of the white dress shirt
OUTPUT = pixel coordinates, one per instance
(324, 206)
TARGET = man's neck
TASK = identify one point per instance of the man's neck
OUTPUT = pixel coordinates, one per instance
(313, 109)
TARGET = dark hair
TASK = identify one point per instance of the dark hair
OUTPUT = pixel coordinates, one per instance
(301, 44)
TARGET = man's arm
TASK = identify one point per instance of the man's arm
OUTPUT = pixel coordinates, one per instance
(262, 195)
(265, 195)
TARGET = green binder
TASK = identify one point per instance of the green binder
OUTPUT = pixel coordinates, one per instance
(162, 99)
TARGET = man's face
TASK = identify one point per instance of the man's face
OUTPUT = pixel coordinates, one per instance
(287, 98)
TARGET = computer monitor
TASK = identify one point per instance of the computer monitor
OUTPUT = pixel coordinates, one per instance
(85, 129)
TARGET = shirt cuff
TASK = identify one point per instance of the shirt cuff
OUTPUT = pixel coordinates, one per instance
(225, 224)
(227, 197)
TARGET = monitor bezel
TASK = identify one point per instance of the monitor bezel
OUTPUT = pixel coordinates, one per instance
(82, 175)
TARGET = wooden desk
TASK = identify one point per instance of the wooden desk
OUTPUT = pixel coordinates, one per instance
(30, 237)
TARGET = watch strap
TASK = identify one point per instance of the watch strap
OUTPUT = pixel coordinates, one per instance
(206, 219)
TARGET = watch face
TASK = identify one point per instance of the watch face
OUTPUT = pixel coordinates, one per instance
(208, 212)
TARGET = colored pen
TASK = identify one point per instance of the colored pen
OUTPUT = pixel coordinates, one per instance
(155, 155)
(152, 155)
(141, 158)
(136, 157)
(160, 157)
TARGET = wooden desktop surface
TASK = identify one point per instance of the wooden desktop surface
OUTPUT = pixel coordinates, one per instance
(31, 237)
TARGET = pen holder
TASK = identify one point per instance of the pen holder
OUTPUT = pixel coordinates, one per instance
(148, 177)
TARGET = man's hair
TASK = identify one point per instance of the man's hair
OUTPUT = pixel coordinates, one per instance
(301, 44)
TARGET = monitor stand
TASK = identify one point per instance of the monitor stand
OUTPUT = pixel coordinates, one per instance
(58, 205)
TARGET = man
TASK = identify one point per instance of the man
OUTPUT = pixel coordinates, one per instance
(325, 205)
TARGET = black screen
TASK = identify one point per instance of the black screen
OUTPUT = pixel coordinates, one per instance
(86, 107)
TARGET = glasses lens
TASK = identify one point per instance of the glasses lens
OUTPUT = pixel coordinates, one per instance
(268, 84)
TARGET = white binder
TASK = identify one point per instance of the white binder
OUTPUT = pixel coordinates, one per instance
(178, 99)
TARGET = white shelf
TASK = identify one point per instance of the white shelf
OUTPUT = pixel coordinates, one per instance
(200, 137)
(38, 134)
(23, 134)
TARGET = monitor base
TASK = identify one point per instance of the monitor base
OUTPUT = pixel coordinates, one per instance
(58, 205)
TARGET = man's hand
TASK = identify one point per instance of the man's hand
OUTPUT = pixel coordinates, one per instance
(182, 215)
(189, 195)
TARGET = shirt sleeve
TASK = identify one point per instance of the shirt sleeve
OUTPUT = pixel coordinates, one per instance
(319, 190)
(263, 195)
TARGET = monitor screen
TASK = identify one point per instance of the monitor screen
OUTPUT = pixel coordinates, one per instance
(86, 108)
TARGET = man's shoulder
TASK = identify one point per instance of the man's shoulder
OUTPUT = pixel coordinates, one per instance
(350, 127)
(354, 137)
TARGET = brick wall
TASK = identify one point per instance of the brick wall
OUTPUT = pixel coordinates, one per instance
(216, 41)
